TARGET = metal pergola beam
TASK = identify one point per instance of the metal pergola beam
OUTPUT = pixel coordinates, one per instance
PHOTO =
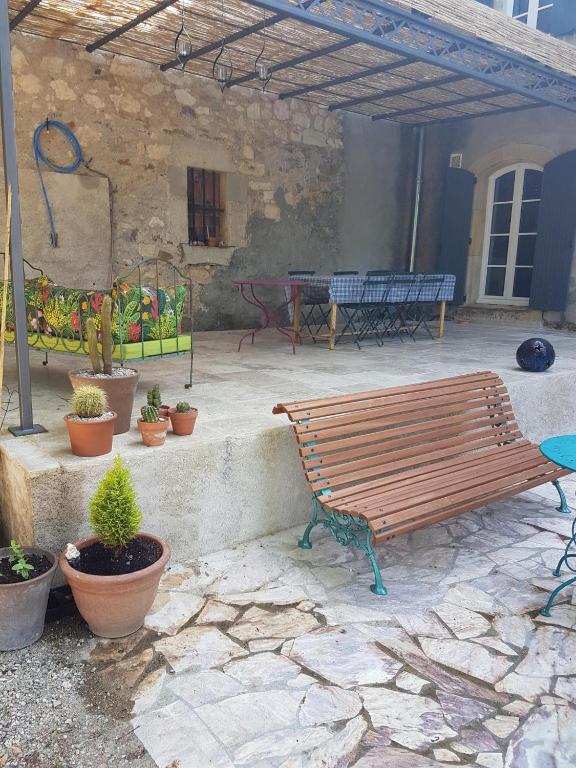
(443, 105)
(491, 113)
(346, 78)
(392, 29)
(403, 91)
(233, 38)
(129, 25)
(21, 15)
(7, 120)
(296, 61)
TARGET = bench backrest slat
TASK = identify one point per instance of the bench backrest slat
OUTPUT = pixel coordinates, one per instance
(362, 438)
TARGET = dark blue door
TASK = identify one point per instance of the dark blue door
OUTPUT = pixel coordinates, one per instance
(455, 227)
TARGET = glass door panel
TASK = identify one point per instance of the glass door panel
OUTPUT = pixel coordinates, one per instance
(511, 235)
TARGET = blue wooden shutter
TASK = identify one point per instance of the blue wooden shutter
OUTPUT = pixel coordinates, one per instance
(455, 228)
(563, 17)
(556, 232)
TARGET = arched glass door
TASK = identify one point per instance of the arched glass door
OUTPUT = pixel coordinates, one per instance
(511, 228)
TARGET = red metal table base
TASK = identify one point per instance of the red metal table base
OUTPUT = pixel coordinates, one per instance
(270, 317)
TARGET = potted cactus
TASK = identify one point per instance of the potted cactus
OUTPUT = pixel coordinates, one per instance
(152, 426)
(25, 577)
(114, 574)
(154, 397)
(91, 424)
(118, 383)
(183, 418)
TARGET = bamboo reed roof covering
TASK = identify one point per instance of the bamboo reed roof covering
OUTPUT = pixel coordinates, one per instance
(337, 52)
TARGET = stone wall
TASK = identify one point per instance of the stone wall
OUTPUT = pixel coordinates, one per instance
(290, 169)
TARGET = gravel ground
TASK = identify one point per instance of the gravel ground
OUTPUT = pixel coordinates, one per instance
(54, 712)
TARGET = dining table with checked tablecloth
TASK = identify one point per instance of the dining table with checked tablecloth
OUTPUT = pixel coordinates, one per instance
(386, 304)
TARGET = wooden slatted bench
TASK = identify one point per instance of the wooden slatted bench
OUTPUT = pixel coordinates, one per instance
(390, 461)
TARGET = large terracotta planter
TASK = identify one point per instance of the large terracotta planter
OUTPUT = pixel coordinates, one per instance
(91, 437)
(23, 605)
(115, 606)
(183, 423)
(120, 391)
(153, 432)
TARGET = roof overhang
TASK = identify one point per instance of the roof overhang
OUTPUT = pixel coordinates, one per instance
(387, 60)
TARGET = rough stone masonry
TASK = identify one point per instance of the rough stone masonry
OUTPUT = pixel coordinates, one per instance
(300, 183)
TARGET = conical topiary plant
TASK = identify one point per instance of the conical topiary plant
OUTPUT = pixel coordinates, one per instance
(114, 514)
(114, 575)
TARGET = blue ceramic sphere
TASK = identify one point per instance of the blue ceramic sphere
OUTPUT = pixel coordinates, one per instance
(535, 355)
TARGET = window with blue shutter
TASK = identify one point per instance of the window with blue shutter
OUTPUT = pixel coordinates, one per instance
(554, 249)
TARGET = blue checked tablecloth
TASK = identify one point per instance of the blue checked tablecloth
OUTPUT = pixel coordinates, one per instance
(398, 287)
(356, 289)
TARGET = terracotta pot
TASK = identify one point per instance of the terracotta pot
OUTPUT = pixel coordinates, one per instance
(183, 423)
(120, 391)
(212, 242)
(23, 605)
(115, 606)
(89, 437)
(153, 432)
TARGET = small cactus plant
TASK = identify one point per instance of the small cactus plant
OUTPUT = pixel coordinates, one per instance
(154, 397)
(89, 402)
(183, 407)
(150, 414)
(106, 339)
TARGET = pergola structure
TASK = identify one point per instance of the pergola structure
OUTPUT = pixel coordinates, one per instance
(412, 62)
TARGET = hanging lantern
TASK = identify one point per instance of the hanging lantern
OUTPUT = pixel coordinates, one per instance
(262, 68)
(222, 69)
(183, 44)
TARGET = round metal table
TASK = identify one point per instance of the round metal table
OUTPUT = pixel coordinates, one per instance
(562, 451)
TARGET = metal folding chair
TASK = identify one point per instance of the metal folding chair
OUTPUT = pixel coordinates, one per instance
(314, 303)
(345, 272)
(365, 317)
(402, 299)
(428, 298)
(378, 318)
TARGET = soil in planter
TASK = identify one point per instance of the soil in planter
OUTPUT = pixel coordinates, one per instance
(40, 564)
(99, 560)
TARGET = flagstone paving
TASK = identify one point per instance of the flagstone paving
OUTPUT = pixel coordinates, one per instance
(268, 656)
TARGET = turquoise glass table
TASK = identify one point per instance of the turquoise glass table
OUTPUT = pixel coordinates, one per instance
(562, 451)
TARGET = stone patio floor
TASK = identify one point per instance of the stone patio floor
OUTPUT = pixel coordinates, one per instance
(269, 656)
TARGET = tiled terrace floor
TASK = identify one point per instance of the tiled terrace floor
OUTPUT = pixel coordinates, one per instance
(268, 656)
(235, 391)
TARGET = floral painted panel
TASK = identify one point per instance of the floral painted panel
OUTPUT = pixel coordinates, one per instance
(140, 313)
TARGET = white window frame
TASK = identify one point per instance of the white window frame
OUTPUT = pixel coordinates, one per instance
(507, 299)
(532, 14)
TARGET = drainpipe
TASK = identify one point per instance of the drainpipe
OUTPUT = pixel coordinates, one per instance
(27, 426)
(417, 197)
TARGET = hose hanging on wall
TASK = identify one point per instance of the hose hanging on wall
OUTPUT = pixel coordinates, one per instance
(40, 157)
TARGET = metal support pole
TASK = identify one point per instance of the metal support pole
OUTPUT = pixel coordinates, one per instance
(27, 426)
(417, 197)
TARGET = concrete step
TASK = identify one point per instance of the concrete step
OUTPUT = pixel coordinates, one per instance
(487, 313)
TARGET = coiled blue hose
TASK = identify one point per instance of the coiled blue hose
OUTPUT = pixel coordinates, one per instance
(40, 157)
